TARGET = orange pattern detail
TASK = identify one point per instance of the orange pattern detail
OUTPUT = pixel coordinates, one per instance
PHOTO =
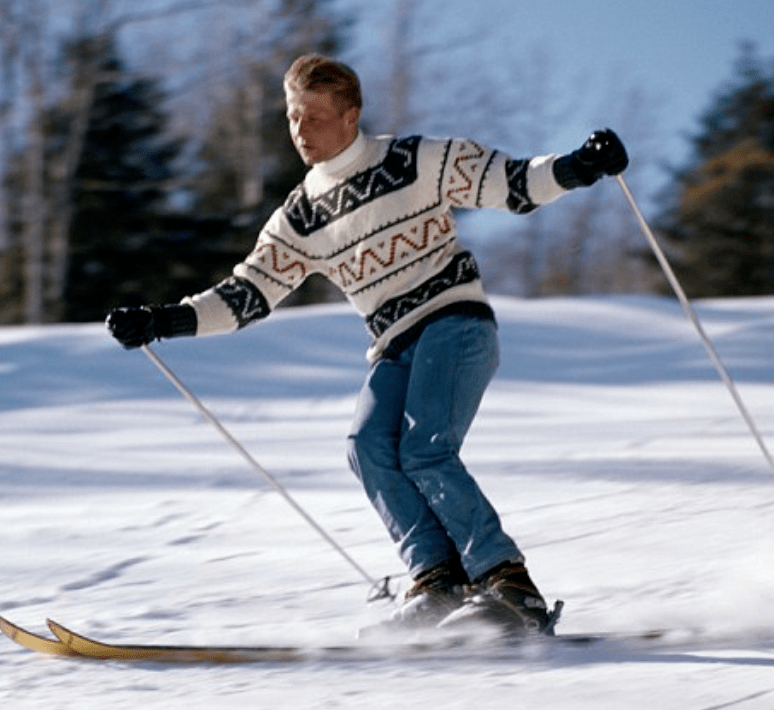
(370, 262)
(465, 175)
(269, 254)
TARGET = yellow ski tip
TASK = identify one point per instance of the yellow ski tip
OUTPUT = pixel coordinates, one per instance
(33, 641)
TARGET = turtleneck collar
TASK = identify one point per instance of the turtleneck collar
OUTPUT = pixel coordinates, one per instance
(344, 159)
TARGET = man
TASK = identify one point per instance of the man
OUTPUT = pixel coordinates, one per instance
(374, 215)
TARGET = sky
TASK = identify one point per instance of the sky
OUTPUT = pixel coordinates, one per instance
(680, 51)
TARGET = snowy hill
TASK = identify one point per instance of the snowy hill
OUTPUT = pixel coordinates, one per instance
(617, 460)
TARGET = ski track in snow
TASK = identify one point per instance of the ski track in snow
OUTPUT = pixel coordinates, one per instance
(608, 443)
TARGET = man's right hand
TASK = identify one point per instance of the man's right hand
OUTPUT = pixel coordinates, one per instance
(137, 326)
(132, 327)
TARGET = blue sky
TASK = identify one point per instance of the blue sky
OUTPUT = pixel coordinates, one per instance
(680, 51)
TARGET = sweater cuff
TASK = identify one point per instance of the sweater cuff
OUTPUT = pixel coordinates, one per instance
(173, 321)
(570, 172)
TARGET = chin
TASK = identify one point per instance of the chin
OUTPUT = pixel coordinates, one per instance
(308, 159)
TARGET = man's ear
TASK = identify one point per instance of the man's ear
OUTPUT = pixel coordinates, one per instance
(352, 116)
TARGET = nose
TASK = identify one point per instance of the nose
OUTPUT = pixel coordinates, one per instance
(300, 127)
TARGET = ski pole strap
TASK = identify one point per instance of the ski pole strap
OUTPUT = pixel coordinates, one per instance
(381, 590)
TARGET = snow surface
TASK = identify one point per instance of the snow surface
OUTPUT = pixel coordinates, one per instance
(616, 457)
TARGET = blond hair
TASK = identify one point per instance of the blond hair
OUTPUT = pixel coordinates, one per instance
(314, 72)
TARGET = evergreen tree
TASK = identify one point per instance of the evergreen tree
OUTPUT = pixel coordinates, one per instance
(121, 181)
(719, 219)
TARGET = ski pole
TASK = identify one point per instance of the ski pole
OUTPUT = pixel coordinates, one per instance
(693, 317)
(380, 589)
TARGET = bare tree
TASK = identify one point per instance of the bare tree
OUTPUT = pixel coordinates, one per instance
(32, 81)
(401, 73)
(35, 201)
(9, 57)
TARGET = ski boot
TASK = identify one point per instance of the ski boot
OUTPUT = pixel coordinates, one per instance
(436, 594)
(506, 599)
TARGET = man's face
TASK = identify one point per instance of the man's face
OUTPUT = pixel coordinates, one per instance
(319, 129)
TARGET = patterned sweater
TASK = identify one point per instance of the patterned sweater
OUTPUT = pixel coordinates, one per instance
(377, 221)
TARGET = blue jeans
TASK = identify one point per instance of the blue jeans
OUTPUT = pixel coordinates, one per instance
(411, 419)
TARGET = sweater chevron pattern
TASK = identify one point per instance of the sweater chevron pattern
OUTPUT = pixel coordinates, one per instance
(377, 220)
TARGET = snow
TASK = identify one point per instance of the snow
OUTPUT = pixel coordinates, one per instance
(616, 457)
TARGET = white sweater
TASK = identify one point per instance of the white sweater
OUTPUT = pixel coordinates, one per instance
(377, 221)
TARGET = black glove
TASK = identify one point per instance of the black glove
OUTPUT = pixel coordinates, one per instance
(602, 154)
(133, 326)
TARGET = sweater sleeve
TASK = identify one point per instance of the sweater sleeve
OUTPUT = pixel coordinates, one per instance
(521, 185)
(271, 271)
(477, 176)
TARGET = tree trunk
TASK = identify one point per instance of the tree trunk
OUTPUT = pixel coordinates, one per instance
(85, 78)
(35, 203)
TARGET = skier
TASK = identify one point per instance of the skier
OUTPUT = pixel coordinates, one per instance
(374, 215)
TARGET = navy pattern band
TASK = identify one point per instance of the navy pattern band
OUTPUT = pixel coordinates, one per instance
(518, 197)
(244, 299)
(398, 169)
(462, 269)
